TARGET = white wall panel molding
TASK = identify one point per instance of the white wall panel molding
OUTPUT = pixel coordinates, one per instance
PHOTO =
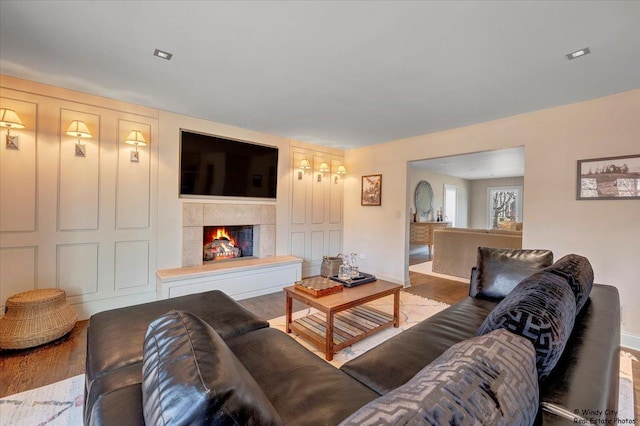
(300, 184)
(318, 190)
(17, 271)
(316, 207)
(131, 264)
(77, 268)
(133, 193)
(79, 176)
(335, 242)
(298, 244)
(18, 175)
(336, 185)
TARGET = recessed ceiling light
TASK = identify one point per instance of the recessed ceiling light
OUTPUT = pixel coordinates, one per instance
(578, 53)
(162, 54)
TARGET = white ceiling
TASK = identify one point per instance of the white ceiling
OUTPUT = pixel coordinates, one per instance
(342, 74)
(501, 163)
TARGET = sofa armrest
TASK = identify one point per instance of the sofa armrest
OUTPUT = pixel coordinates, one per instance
(587, 375)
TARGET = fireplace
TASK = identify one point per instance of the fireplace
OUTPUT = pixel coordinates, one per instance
(226, 242)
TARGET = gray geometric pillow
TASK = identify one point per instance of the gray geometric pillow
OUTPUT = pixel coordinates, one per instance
(578, 272)
(542, 309)
(489, 380)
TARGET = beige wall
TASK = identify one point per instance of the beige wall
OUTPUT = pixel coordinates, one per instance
(606, 232)
(437, 182)
(478, 200)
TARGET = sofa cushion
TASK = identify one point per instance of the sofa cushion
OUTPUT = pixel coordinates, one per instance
(542, 309)
(190, 376)
(579, 275)
(499, 270)
(483, 380)
(395, 361)
(302, 387)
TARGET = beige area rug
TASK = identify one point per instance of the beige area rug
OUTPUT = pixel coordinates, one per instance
(57, 404)
(413, 309)
(426, 269)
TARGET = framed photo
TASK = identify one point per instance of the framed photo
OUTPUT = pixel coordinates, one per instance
(610, 178)
(371, 194)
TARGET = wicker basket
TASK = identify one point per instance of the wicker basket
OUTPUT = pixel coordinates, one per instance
(330, 265)
(36, 317)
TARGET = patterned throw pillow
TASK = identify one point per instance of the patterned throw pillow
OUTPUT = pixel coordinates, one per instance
(542, 309)
(484, 380)
(579, 274)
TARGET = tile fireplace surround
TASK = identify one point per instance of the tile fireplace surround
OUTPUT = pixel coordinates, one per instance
(195, 216)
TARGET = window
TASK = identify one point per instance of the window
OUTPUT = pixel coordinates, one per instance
(505, 207)
(450, 204)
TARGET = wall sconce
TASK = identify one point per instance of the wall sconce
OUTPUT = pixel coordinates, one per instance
(303, 167)
(135, 138)
(340, 172)
(9, 119)
(80, 130)
(324, 168)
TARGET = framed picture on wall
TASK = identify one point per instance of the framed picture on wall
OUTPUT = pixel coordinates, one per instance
(609, 178)
(371, 193)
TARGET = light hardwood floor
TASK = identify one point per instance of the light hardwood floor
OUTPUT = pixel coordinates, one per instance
(64, 358)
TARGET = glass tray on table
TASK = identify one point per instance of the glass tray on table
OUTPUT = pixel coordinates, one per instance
(363, 278)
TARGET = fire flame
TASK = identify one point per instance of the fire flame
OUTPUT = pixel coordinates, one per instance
(221, 233)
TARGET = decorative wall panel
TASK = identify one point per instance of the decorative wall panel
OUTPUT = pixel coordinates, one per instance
(319, 186)
(131, 264)
(133, 193)
(298, 244)
(317, 245)
(79, 185)
(17, 271)
(63, 212)
(335, 242)
(77, 266)
(335, 194)
(316, 213)
(18, 171)
(299, 188)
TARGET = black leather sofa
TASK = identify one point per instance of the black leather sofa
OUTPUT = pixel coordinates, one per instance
(304, 389)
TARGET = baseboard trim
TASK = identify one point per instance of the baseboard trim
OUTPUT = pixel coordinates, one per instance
(630, 341)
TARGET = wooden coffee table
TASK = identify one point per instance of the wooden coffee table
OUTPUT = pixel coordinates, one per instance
(345, 320)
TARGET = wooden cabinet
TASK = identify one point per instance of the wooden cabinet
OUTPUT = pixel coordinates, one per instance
(421, 233)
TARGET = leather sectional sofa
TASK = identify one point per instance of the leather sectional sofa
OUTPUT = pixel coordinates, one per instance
(204, 359)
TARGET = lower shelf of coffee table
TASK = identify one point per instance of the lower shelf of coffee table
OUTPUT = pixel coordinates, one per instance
(349, 326)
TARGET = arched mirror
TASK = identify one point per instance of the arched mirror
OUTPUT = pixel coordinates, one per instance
(424, 198)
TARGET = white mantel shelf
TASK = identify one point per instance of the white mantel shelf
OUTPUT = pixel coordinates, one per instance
(239, 278)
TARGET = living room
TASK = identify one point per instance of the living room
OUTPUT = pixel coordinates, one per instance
(117, 222)
(461, 196)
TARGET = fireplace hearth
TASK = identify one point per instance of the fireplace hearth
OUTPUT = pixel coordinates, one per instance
(226, 242)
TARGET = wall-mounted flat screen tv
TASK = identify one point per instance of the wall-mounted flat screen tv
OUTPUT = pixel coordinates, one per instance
(216, 166)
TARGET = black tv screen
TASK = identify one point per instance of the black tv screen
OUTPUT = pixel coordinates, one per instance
(216, 166)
